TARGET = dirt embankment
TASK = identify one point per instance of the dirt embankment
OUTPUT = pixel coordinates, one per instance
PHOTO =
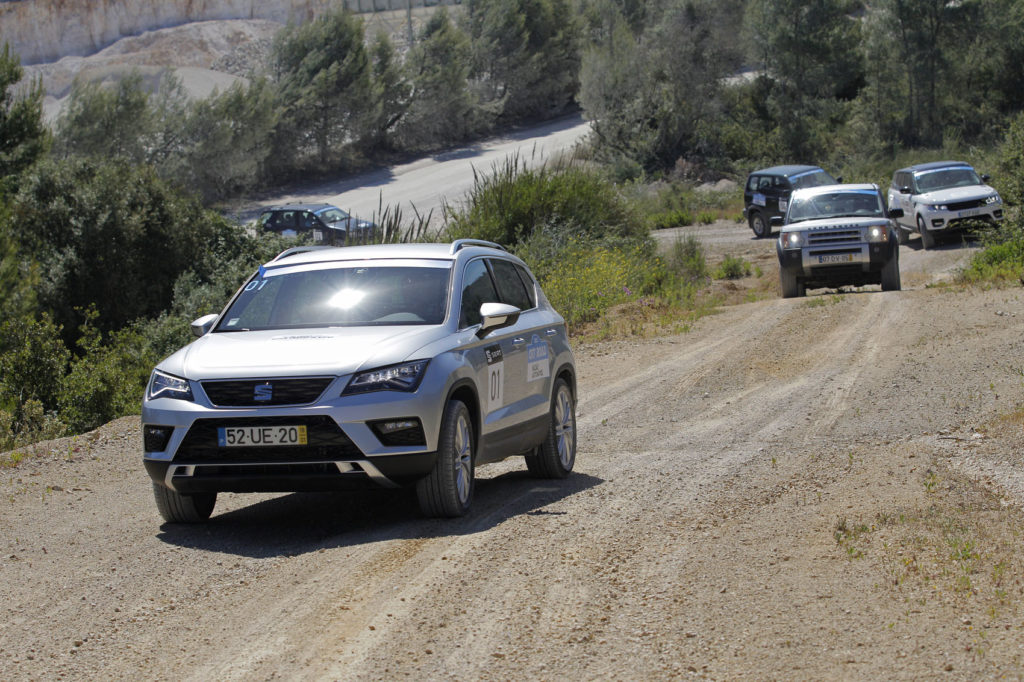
(816, 488)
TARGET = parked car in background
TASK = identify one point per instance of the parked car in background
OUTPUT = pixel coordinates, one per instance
(838, 235)
(384, 365)
(328, 225)
(766, 194)
(938, 197)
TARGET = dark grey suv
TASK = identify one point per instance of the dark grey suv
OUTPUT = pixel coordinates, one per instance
(766, 194)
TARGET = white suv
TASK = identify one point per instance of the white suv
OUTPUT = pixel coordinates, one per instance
(936, 196)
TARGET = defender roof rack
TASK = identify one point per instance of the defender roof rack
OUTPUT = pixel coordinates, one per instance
(463, 243)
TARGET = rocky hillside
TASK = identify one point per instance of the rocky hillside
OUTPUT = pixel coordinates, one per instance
(47, 30)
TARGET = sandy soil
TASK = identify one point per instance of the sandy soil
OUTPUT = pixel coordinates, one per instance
(827, 487)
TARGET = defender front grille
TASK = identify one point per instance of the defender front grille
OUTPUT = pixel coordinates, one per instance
(265, 392)
(325, 442)
(833, 237)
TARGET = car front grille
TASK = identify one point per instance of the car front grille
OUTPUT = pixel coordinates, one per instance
(965, 205)
(833, 237)
(326, 442)
(265, 392)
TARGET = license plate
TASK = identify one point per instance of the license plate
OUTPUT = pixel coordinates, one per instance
(260, 436)
(969, 213)
(836, 258)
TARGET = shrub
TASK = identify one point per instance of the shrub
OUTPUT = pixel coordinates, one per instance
(1002, 259)
(733, 267)
(686, 259)
(33, 360)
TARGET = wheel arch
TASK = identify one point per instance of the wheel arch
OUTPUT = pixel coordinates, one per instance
(465, 391)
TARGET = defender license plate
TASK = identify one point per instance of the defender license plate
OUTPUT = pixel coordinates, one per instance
(836, 258)
(259, 436)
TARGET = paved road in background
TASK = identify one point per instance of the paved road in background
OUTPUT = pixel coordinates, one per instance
(424, 184)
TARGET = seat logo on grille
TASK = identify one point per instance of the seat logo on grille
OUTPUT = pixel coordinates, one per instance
(263, 392)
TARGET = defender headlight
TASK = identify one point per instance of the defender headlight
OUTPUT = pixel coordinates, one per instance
(994, 199)
(163, 385)
(405, 377)
(877, 233)
(792, 240)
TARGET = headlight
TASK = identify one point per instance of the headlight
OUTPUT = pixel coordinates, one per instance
(405, 377)
(937, 207)
(877, 233)
(994, 199)
(791, 240)
(162, 385)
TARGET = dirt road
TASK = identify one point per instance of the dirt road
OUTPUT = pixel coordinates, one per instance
(815, 488)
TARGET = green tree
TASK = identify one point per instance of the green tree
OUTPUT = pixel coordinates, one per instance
(24, 137)
(391, 91)
(804, 48)
(658, 99)
(106, 122)
(114, 235)
(442, 110)
(33, 361)
(324, 72)
(526, 55)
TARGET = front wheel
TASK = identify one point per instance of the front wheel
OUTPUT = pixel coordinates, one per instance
(448, 489)
(178, 508)
(927, 238)
(891, 275)
(554, 458)
(791, 286)
(759, 225)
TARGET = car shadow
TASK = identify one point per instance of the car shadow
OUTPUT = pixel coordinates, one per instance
(946, 243)
(301, 523)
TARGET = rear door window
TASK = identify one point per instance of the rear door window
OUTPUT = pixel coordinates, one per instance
(510, 285)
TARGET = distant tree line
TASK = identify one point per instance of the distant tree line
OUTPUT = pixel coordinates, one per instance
(732, 83)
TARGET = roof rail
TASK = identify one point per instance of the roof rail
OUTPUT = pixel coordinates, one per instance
(462, 243)
(295, 250)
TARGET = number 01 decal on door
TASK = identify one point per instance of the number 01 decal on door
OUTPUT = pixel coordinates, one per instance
(495, 378)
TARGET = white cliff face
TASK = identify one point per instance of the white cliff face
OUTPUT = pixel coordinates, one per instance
(45, 30)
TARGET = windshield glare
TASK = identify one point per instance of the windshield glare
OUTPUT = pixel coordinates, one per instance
(341, 297)
(813, 179)
(944, 178)
(836, 205)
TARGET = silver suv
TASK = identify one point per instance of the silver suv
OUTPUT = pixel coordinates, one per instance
(935, 197)
(387, 365)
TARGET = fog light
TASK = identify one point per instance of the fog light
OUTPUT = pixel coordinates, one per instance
(155, 438)
(403, 431)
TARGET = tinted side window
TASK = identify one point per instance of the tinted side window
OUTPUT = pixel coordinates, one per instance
(531, 286)
(510, 286)
(477, 289)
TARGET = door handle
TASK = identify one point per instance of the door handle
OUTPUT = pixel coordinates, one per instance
(551, 332)
(518, 342)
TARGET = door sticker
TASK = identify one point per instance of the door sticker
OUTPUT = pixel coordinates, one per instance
(759, 199)
(537, 365)
(495, 377)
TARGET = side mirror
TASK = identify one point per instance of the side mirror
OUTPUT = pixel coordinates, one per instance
(204, 324)
(839, 179)
(895, 212)
(904, 190)
(986, 177)
(496, 316)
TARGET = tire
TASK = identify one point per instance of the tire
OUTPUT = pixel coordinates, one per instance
(891, 275)
(927, 238)
(791, 286)
(447, 491)
(761, 227)
(178, 508)
(554, 458)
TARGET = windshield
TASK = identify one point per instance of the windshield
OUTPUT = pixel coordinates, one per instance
(944, 178)
(332, 215)
(341, 297)
(845, 203)
(814, 178)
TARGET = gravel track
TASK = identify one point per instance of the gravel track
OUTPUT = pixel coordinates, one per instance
(696, 538)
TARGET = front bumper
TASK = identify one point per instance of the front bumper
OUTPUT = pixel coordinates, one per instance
(345, 444)
(854, 264)
(936, 220)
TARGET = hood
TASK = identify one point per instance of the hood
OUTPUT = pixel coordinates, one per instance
(834, 223)
(298, 352)
(954, 194)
